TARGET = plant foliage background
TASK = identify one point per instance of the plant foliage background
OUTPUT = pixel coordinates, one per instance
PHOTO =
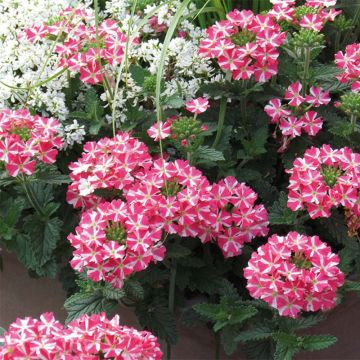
(233, 137)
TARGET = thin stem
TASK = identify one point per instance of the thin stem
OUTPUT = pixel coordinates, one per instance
(222, 113)
(306, 68)
(171, 304)
(337, 41)
(217, 346)
(31, 196)
(188, 157)
(353, 122)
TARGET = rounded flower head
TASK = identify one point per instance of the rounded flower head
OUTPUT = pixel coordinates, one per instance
(325, 178)
(77, 39)
(26, 139)
(114, 241)
(349, 62)
(234, 219)
(87, 337)
(245, 44)
(294, 273)
(109, 164)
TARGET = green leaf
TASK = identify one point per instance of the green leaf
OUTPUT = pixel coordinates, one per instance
(206, 154)
(317, 342)
(80, 303)
(55, 179)
(112, 294)
(174, 102)
(175, 251)
(228, 340)
(13, 209)
(2, 332)
(286, 346)
(134, 289)
(280, 214)
(256, 332)
(352, 286)
(139, 74)
(213, 312)
(260, 350)
(256, 146)
(157, 318)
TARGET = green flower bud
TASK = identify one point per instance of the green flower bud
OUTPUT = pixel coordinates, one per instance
(307, 38)
(243, 37)
(341, 23)
(24, 133)
(301, 11)
(116, 232)
(350, 104)
(330, 175)
(300, 261)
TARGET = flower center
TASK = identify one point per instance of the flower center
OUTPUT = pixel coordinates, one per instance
(171, 188)
(330, 175)
(243, 37)
(300, 261)
(109, 194)
(23, 132)
(116, 232)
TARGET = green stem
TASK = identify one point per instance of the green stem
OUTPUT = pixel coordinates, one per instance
(188, 157)
(171, 304)
(31, 196)
(337, 41)
(222, 113)
(353, 122)
(217, 346)
(307, 59)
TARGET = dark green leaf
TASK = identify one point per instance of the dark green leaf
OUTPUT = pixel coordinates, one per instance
(256, 332)
(79, 304)
(134, 289)
(317, 342)
(228, 340)
(157, 318)
(280, 214)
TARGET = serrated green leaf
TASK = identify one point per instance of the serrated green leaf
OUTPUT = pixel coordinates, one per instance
(260, 350)
(317, 342)
(134, 289)
(256, 332)
(157, 318)
(175, 251)
(205, 154)
(280, 214)
(213, 312)
(139, 74)
(228, 340)
(352, 286)
(53, 178)
(190, 317)
(80, 303)
(174, 102)
(256, 145)
(113, 294)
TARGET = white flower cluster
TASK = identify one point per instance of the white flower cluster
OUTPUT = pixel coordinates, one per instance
(23, 64)
(185, 70)
(72, 133)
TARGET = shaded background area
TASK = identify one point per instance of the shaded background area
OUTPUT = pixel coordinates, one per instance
(22, 296)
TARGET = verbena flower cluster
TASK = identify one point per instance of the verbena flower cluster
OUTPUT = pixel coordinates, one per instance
(325, 178)
(349, 62)
(25, 139)
(83, 48)
(296, 116)
(114, 241)
(294, 273)
(313, 15)
(88, 337)
(245, 45)
(162, 197)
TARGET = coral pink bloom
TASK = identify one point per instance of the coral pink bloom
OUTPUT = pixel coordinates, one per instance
(20, 165)
(91, 74)
(265, 70)
(291, 126)
(312, 22)
(318, 97)
(160, 130)
(294, 273)
(293, 94)
(197, 106)
(312, 123)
